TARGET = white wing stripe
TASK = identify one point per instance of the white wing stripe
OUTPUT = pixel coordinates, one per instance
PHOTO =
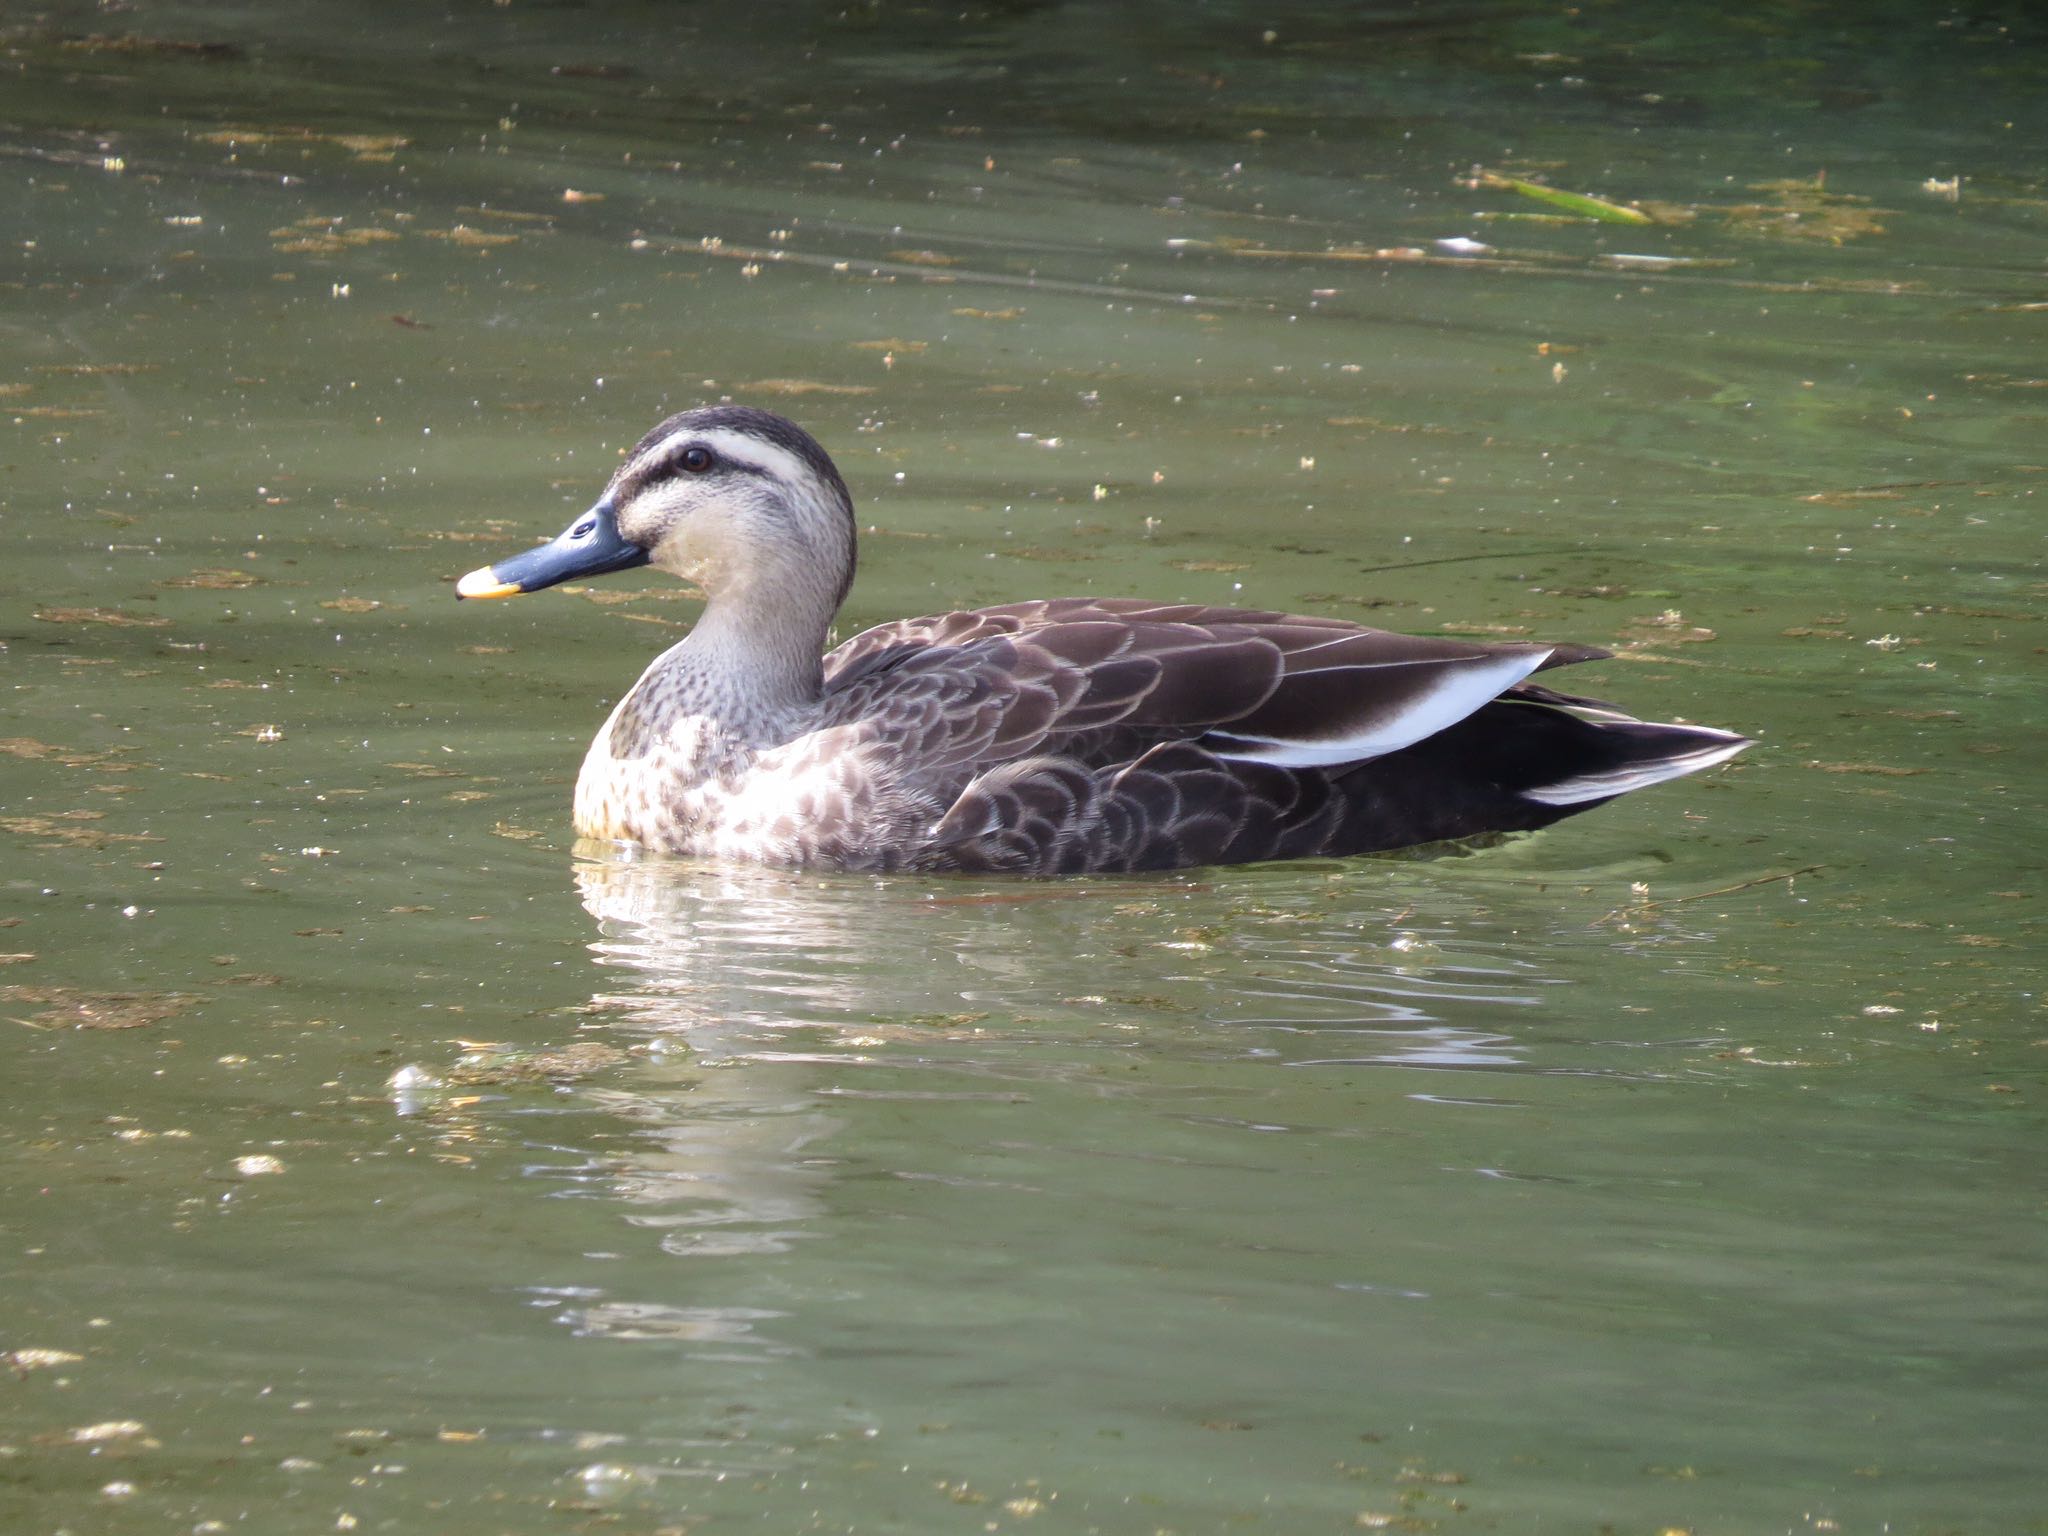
(1458, 689)
(1619, 781)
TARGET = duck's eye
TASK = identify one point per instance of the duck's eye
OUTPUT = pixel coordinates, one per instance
(696, 460)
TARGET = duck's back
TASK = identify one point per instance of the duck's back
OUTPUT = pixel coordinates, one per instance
(1077, 734)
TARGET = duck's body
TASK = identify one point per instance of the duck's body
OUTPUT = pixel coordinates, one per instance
(1046, 737)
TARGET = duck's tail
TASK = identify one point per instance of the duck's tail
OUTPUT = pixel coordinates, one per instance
(1530, 757)
(1605, 753)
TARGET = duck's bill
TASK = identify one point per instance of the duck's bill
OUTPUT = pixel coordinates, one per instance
(590, 546)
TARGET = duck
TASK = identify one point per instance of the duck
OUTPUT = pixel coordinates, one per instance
(1055, 736)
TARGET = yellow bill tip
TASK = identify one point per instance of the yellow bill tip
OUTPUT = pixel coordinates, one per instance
(483, 582)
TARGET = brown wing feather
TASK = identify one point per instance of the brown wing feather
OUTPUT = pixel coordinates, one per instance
(1076, 734)
(1182, 669)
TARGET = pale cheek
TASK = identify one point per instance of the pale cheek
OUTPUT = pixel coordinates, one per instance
(696, 552)
(691, 566)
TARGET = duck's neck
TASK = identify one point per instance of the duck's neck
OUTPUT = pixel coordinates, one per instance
(769, 662)
(753, 663)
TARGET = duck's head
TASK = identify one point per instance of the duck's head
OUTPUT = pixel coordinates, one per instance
(731, 498)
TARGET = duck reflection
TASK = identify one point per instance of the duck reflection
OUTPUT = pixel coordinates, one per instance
(733, 972)
(752, 963)
(814, 1050)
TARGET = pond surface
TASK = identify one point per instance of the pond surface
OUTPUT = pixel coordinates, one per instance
(377, 1159)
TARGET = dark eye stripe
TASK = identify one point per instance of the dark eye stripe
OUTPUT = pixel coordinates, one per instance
(674, 465)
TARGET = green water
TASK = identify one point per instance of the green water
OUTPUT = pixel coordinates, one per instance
(378, 1160)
